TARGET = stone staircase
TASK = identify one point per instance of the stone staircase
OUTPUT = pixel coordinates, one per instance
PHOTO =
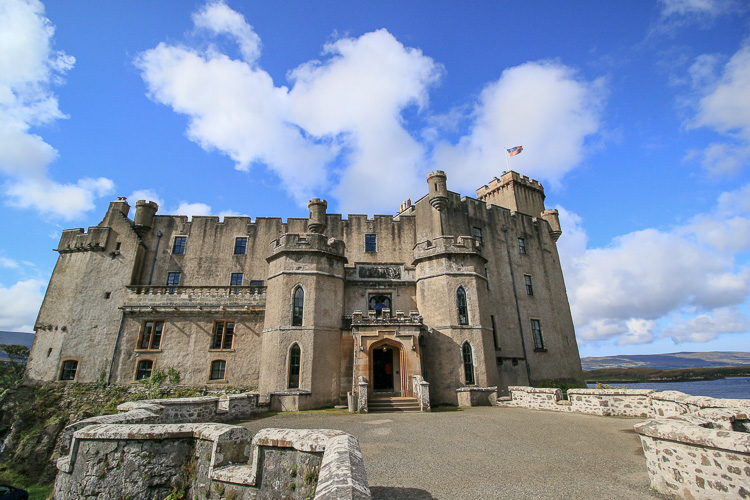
(392, 403)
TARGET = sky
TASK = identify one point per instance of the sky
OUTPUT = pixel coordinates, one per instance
(634, 115)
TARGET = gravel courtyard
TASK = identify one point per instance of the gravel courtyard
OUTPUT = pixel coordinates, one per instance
(490, 453)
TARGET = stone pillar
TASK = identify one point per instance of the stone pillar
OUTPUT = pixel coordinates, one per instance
(362, 395)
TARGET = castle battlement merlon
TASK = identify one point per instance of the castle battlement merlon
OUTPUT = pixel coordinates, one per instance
(446, 245)
(76, 240)
(308, 243)
(506, 180)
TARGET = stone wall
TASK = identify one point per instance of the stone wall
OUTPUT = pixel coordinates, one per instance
(696, 448)
(687, 458)
(132, 455)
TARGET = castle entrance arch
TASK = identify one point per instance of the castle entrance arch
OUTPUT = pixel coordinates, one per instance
(386, 364)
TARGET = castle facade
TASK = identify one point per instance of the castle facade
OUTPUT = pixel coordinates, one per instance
(466, 293)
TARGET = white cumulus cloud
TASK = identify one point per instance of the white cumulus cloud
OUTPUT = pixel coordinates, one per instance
(622, 291)
(339, 128)
(19, 305)
(29, 67)
(725, 107)
(544, 107)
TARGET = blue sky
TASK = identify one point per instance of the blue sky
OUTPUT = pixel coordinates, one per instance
(634, 115)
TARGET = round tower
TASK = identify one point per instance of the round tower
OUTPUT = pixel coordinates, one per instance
(317, 220)
(438, 194)
(144, 215)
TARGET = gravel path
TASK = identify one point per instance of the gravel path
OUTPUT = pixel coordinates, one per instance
(490, 453)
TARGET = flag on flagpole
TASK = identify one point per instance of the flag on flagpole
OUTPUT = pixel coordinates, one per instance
(514, 151)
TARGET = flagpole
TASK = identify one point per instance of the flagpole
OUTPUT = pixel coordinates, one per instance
(507, 159)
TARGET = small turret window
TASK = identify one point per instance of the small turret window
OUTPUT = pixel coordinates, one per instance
(298, 304)
(468, 363)
(522, 246)
(294, 366)
(69, 369)
(529, 286)
(478, 235)
(536, 330)
(463, 313)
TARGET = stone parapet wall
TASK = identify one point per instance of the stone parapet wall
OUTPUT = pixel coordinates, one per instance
(129, 456)
(687, 458)
(477, 396)
(200, 409)
(642, 403)
(611, 402)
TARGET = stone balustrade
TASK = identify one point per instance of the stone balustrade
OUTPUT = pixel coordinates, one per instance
(422, 392)
(195, 296)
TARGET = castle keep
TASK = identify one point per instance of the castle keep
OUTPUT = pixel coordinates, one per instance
(464, 294)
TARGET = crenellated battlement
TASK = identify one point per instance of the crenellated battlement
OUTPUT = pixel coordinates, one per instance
(76, 240)
(505, 179)
(446, 245)
(308, 242)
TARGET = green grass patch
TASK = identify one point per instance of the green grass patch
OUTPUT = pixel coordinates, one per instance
(36, 491)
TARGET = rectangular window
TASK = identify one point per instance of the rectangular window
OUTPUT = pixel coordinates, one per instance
(179, 244)
(223, 335)
(240, 246)
(235, 280)
(529, 288)
(173, 279)
(536, 329)
(522, 246)
(69, 369)
(151, 335)
(144, 369)
(218, 369)
(371, 243)
(379, 301)
(478, 235)
(494, 333)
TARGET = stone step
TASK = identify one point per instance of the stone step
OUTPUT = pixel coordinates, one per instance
(394, 403)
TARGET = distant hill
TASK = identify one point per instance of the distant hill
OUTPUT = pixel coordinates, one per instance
(668, 360)
(15, 338)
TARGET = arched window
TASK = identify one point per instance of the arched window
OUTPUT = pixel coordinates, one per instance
(294, 364)
(463, 313)
(468, 363)
(298, 303)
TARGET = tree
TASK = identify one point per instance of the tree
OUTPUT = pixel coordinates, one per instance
(11, 370)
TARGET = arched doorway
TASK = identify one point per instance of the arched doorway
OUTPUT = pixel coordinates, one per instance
(387, 367)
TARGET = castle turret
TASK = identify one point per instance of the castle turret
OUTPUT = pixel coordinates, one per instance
(317, 221)
(438, 196)
(515, 192)
(144, 215)
(553, 219)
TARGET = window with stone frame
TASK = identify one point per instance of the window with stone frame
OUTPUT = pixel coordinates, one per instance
(179, 244)
(371, 243)
(218, 369)
(295, 355)
(522, 246)
(529, 287)
(144, 369)
(379, 301)
(468, 359)
(173, 280)
(298, 306)
(235, 280)
(151, 333)
(68, 369)
(478, 235)
(461, 305)
(536, 330)
(240, 245)
(223, 335)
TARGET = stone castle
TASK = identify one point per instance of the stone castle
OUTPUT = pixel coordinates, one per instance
(464, 295)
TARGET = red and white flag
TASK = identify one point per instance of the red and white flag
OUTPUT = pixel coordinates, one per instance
(514, 151)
